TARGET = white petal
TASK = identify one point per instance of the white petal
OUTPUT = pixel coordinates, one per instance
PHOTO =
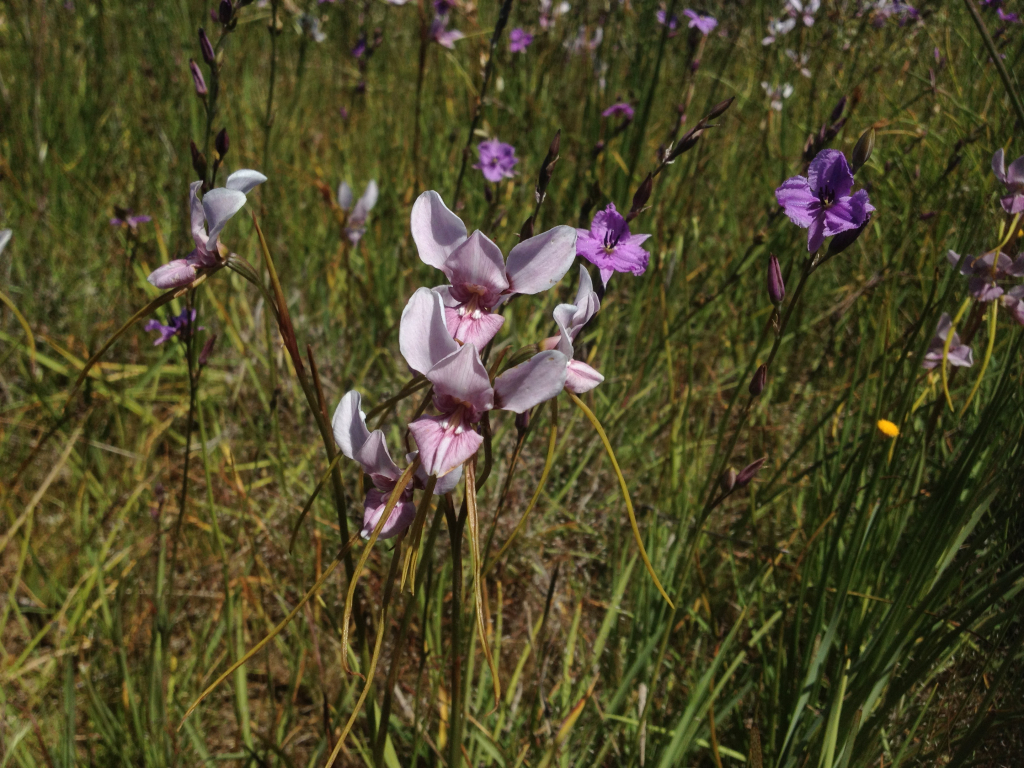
(220, 205)
(423, 335)
(349, 424)
(537, 264)
(436, 230)
(244, 180)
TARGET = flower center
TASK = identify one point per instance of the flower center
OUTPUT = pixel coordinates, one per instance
(827, 196)
(612, 235)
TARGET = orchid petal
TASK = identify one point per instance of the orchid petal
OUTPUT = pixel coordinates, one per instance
(581, 378)
(198, 216)
(401, 516)
(999, 165)
(538, 379)
(173, 274)
(1015, 173)
(443, 449)
(476, 328)
(463, 377)
(423, 336)
(476, 267)
(539, 263)
(365, 203)
(345, 196)
(564, 314)
(435, 229)
(444, 485)
(349, 424)
(375, 460)
(244, 180)
(220, 205)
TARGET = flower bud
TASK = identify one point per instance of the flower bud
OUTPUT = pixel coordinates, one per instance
(837, 110)
(862, 150)
(206, 47)
(222, 143)
(719, 109)
(198, 161)
(526, 231)
(225, 12)
(747, 473)
(522, 423)
(776, 288)
(844, 240)
(204, 355)
(728, 480)
(197, 78)
(548, 166)
(758, 380)
(641, 196)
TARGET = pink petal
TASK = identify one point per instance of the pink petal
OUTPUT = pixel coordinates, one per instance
(581, 378)
(349, 424)
(220, 205)
(244, 180)
(375, 460)
(173, 274)
(477, 267)
(538, 379)
(476, 328)
(423, 336)
(442, 449)
(564, 314)
(401, 516)
(436, 230)
(444, 485)
(537, 264)
(462, 376)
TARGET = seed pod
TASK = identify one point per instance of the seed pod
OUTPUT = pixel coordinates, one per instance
(206, 47)
(758, 380)
(728, 480)
(225, 12)
(844, 240)
(862, 150)
(221, 142)
(776, 287)
(197, 78)
(747, 473)
(198, 161)
(720, 108)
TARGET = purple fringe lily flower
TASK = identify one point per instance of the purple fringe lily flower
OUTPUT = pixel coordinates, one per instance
(960, 355)
(705, 24)
(821, 203)
(1007, 16)
(518, 40)
(208, 219)
(610, 246)
(1013, 178)
(620, 108)
(178, 325)
(463, 391)
(355, 225)
(497, 159)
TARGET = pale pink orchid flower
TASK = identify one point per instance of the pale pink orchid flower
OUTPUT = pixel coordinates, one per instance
(481, 279)
(462, 389)
(358, 210)
(570, 319)
(370, 450)
(208, 219)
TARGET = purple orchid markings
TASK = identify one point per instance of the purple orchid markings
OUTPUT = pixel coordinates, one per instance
(370, 450)
(610, 246)
(570, 319)
(178, 325)
(462, 389)
(705, 24)
(518, 40)
(480, 279)
(986, 271)
(440, 33)
(214, 211)
(620, 108)
(959, 354)
(821, 203)
(497, 159)
(355, 224)
(1013, 178)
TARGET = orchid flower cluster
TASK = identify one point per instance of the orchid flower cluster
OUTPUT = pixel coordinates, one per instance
(442, 334)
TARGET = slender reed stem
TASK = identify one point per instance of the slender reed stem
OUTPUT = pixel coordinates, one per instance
(455, 718)
(1018, 107)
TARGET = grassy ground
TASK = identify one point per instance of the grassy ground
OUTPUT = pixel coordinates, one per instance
(858, 604)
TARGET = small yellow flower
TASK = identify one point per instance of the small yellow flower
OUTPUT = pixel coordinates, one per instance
(888, 428)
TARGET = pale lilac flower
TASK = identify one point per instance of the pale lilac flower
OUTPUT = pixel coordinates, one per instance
(197, 78)
(1010, 18)
(610, 246)
(439, 33)
(776, 93)
(462, 389)
(821, 202)
(662, 17)
(570, 319)
(549, 12)
(178, 325)
(355, 224)
(481, 280)
(777, 29)
(1013, 178)
(986, 271)
(803, 9)
(621, 108)
(1013, 300)
(370, 450)
(130, 220)
(960, 355)
(215, 210)
(800, 60)
(705, 24)
(497, 159)
(518, 40)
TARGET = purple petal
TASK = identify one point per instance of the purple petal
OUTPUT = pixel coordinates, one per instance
(349, 424)
(999, 165)
(538, 379)
(829, 171)
(244, 180)
(538, 263)
(477, 268)
(816, 234)
(173, 274)
(581, 378)
(1015, 173)
(477, 327)
(983, 289)
(423, 336)
(443, 448)
(401, 516)
(841, 216)
(462, 376)
(606, 275)
(435, 229)
(795, 197)
(1013, 203)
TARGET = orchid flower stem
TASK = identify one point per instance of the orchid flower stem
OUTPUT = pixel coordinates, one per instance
(193, 391)
(944, 365)
(501, 499)
(988, 354)
(548, 462)
(268, 120)
(478, 577)
(625, 493)
(455, 717)
(409, 567)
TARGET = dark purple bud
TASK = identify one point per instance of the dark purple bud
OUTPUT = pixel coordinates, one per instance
(641, 196)
(747, 473)
(776, 288)
(197, 78)
(204, 355)
(837, 110)
(862, 150)
(844, 240)
(758, 380)
(720, 108)
(728, 480)
(599, 147)
(198, 161)
(225, 11)
(695, 65)
(526, 231)
(222, 143)
(548, 166)
(522, 423)
(206, 47)
(378, 37)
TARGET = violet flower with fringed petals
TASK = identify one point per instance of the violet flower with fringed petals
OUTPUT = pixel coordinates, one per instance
(355, 224)
(960, 355)
(518, 40)
(481, 280)
(621, 108)
(705, 24)
(986, 271)
(570, 319)
(610, 246)
(1013, 178)
(178, 325)
(462, 389)
(821, 203)
(371, 451)
(214, 211)
(497, 159)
